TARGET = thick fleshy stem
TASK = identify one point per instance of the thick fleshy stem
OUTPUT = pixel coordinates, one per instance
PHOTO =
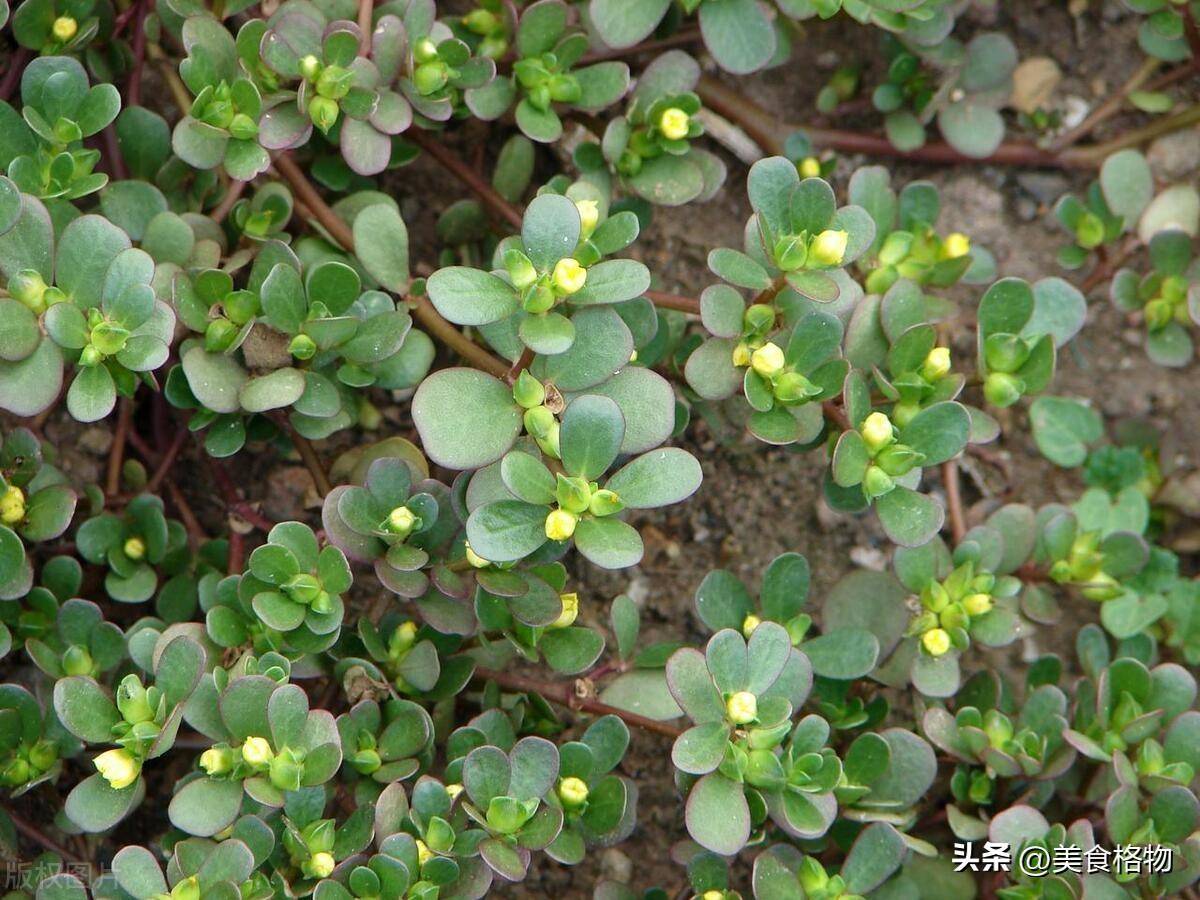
(116, 453)
(456, 166)
(954, 506)
(567, 695)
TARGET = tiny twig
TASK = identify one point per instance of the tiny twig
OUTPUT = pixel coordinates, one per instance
(689, 305)
(684, 38)
(35, 834)
(133, 90)
(306, 193)
(308, 455)
(366, 13)
(166, 68)
(1105, 269)
(168, 459)
(837, 415)
(232, 195)
(116, 454)
(565, 694)
(12, 75)
(954, 506)
(524, 361)
(454, 164)
(431, 320)
(1108, 108)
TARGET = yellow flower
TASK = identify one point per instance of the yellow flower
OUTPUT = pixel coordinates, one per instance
(118, 767)
(310, 67)
(713, 895)
(877, 431)
(829, 248)
(12, 505)
(216, 760)
(454, 790)
(257, 751)
(570, 609)
(749, 624)
(673, 123)
(424, 854)
(589, 216)
(977, 604)
(955, 245)
(810, 167)
(936, 364)
(401, 521)
(741, 354)
(560, 525)
(742, 708)
(573, 792)
(936, 641)
(64, 28)
(767, 360)
(569, 276)
(321, 865)
(135, 548)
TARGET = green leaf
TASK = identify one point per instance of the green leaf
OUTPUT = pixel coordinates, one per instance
(468, 296)
(717, 815)
(659, 478)
(613, 281)
(939, 431)
(206, 806)
(571, 650)
(623, 23)
(19, 332)
(1063, 428)
(275, 390)
(972, 129)
(95, 806)
(92, 395)
(642, 691)
(700, 749)
(507, 530)
(591, 435)
(381, 243)
(738, 34)
(876, 853)
(466, 418)
(909, 518)
(1127, 184)
(85, 709)
(844, 654)
(216, 380)
(609, 543)
(550, 230)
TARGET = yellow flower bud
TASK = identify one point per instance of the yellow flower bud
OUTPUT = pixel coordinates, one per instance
(767, 360)
(936, 364)
(570, 609)
(257, 751)
(955, 245)
(589, 216)
(474, 558)
(321, 865)
(741, 355)
(569, 276)
(135, 549)
(713, 895)
(977, 604)
(424, 854)
(573, 792)
(560, 525)
(118, 767)
(64, 28)
(936, 641)
(742, 708)
(749, 624)
(454, 790)
(877, 431)
(810, 167)
(829, 248)
(401, 521)
(12, 505)
(673, 123)
(216, 760)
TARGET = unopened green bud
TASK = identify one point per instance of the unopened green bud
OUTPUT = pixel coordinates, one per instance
(109, 338)
(323, 112)
(480, 21)
(539, 421)
(898, 459)
(528, 391)
(934, 597)
(881, 279)
(219, 335)
(791, 252)
(134, 548)
(812, 877)
(187, 889)
(12, 505)
(792, 388)
(758, 318)
(90, 356)
(896, 247)
(605, 503)
(43, 754)
(953, 616)
(133, 700)
(1001, 389)
(28, 287)
(334, 82)
(1101, 586)
(564, 89)
(310, 67)
(1159, 314)
(303, 588)
(286, 770)
(1005, 352)
(877, 482)
(302, 347)
(998, 728)
(15, 773)
(241, 306)
(425, 50)
(243, 128)
(366, 761)
(573, 493)
(520, 269)
(903, 413)
(431, 77)
(1089, 231)
(77, 661)
(539, 300)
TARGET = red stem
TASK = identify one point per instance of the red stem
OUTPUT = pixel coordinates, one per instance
(12, 76)
(133, 90)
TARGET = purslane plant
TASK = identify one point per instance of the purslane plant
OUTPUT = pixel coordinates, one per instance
(356, 705)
